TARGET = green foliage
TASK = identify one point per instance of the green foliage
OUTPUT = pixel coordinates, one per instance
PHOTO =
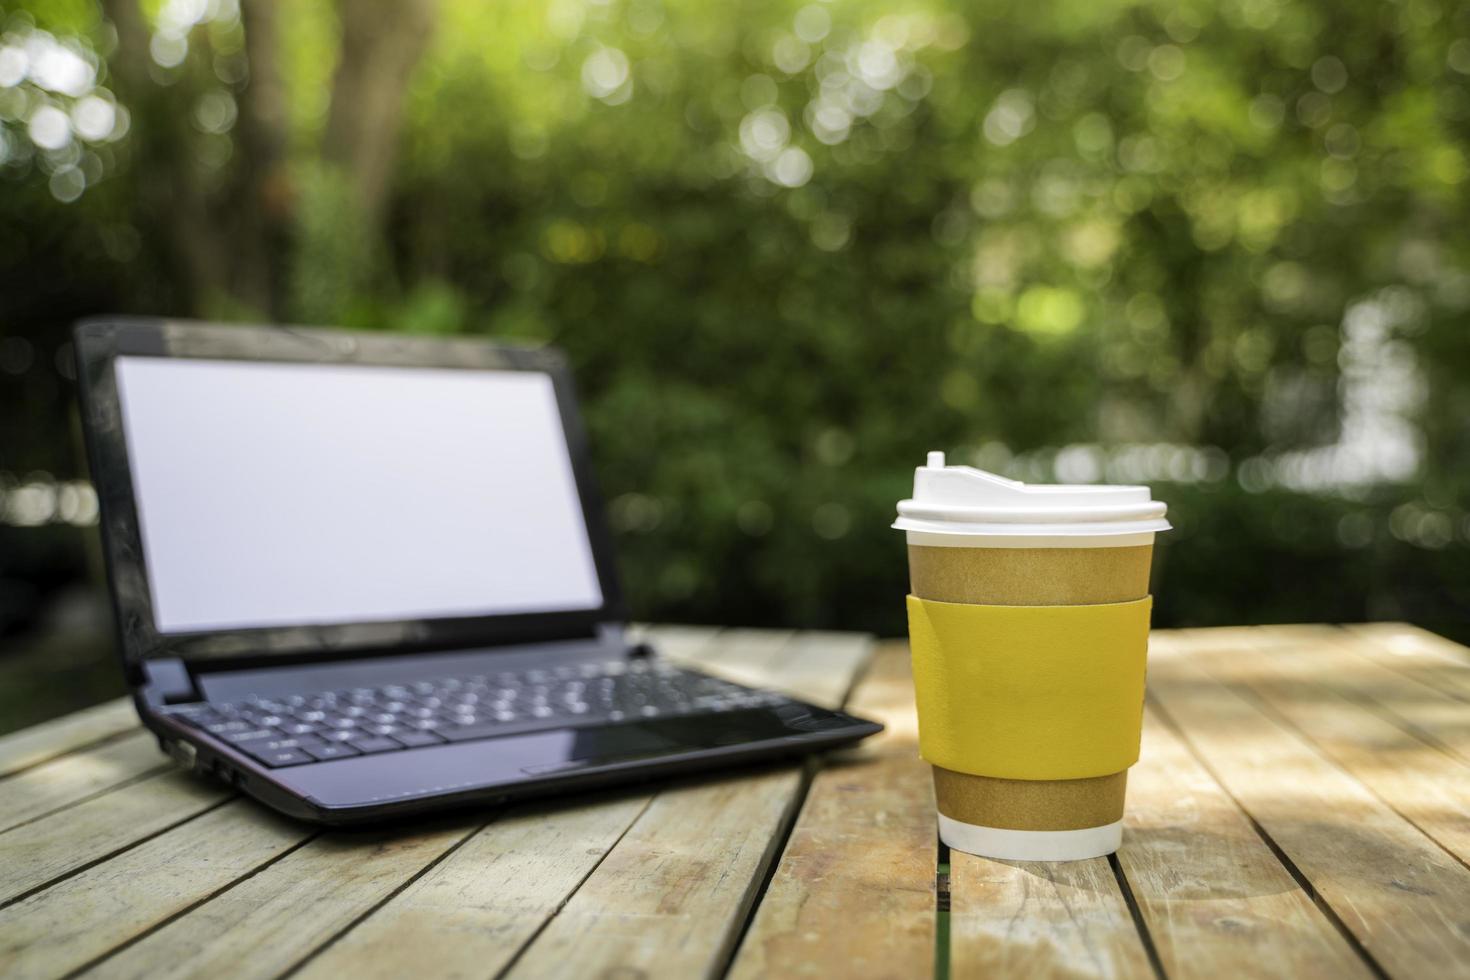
(789, 247)
(332, 275)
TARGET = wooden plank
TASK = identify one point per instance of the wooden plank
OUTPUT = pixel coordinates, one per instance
(1404, 899)
(1216, 901)
(672, 894)
(885, 694)
(51, 786)
(473, 912)
(267, 923)
(71, 924)
(1430, 659)
(855, 885)
(1032, 919)
(745, 656)
(53, 738)
(1419, 704)
(1325, 692)
(1408, 640)
(681, 643)
(290, 919)
(821, 666)
(667, 900)
(35, 853)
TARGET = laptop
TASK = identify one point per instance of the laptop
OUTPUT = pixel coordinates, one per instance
(362, 576)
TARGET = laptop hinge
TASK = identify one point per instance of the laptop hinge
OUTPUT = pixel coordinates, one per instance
(612, 635)
(168, 682)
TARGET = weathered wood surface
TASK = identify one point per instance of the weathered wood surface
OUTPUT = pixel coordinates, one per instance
(673, 894)
(1029, 919)
(51, 786)
(1393, 889)
(54, 738)
(856, 884)
(1302, 809)
(1208, 887)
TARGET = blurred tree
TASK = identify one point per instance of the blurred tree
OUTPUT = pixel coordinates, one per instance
(233, 229)
(790, 245)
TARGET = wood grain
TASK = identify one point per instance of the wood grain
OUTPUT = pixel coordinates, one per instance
(78, 920)
(54, 785)
(885, 694)
(1346, 748)
(754, 657)
(1031, 919)
(267, 923)
(1216, 901)
(1404, 899)
(1408, 640)
(35, 853)
(682, 643)
(471, 914)
(855, 885)
(1424, 704)
(1326, 693)
(1433, 660)
(668, 899)
(22, 749)
(687, 871)
(820, 667)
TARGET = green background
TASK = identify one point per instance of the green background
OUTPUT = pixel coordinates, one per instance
(1218, 248)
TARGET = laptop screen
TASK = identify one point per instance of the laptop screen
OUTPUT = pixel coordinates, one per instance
(293, 494)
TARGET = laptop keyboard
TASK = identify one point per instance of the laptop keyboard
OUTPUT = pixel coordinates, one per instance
(299, 729)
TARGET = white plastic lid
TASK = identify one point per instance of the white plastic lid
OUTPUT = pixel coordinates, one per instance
(961, 500)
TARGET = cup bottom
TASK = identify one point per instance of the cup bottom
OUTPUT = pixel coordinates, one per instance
(1030, 845)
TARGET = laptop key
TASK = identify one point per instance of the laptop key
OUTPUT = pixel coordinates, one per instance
(229, 727)
(250, 735)
(416, 739)
(376, 743)
(470, 733)
(326, 751)
(283, 757)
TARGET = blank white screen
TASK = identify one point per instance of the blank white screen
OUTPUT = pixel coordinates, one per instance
(277, 494)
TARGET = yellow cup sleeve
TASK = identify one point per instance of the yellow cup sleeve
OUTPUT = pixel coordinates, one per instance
(1029, 692)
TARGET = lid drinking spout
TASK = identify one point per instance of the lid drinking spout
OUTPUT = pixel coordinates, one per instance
(964, 500)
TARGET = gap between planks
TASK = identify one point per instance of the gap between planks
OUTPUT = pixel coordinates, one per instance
(1400, 895)
(1371, 723)
(375, 901)
(151, 912)
(269, 900)
(854, 891)
(40, 743)
(667, 903)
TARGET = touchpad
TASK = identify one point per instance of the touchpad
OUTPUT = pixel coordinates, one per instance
(614, 743)
(671, 736)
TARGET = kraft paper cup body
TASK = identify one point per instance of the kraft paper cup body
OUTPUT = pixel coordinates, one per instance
(1025, 562)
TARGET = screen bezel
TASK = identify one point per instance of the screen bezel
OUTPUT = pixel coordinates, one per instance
(99, 343)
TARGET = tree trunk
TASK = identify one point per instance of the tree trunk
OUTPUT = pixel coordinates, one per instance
(162, 163)
(240, 242)
(382, 42)
(265, 192)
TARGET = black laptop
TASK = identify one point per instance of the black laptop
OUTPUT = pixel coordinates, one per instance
(365, 575)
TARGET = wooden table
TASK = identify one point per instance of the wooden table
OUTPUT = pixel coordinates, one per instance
(1302, 809)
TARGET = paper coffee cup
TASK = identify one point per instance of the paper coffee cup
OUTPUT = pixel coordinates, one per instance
(980, 540)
